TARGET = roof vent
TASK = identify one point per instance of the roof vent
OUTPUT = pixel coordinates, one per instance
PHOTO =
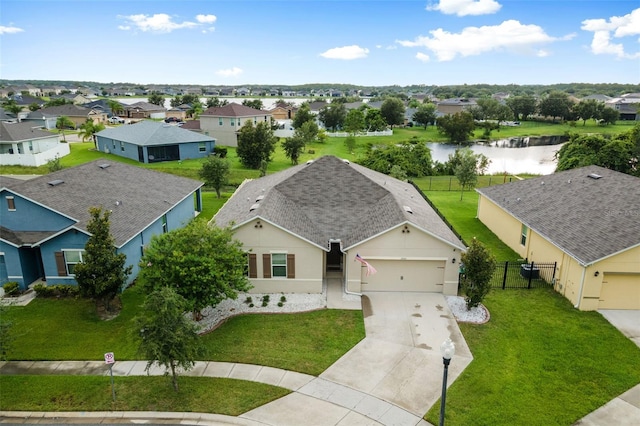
(104, 165)
(346, 161)
(309, 162)
(407, 209)
(259, 198)
(253, 207)
(55, 182)
(594, 176)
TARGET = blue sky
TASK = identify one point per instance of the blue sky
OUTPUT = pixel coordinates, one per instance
(290, 42)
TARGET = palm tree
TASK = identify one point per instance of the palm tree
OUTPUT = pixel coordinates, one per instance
(115, 106)
(88, 130)
(64, 122)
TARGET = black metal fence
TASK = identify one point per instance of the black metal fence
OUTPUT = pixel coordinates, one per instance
(524, 275)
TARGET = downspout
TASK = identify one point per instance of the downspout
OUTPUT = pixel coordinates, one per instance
(584, 273)
(346, 274)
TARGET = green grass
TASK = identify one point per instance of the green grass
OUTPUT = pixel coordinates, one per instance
(69, 329)
(538, 361)
(93, 393)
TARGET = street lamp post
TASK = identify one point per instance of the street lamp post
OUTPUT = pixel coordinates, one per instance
(447, 349)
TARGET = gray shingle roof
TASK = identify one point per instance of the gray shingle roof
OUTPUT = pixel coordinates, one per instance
(149, 133)
(136, 196)
(588, 218)
(332, 199)
(24, 131)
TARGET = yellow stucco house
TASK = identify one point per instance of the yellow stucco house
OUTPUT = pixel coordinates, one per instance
(586, 219)
(311, 220)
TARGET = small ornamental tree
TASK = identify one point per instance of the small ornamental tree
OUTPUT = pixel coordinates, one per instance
(168, 337)
(101, 275)
(215, 172)
(479, 265)
(203, 263)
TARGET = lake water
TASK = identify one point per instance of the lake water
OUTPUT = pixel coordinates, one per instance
(537, 160)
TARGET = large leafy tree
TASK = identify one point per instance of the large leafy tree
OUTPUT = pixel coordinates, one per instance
(479, 265)
(255, 144)
(392, 110)
(293, 147)
(373, 120)
(425, 114)
(216, 102)
(414, 159)
(253, 103)
(457, 127)
(302, 116)
(333, 115)
(168, 337)
(587, 109)
(354, 121)
(215, 172)
(102, 273)
(203, 263)
(620, 153)
(156, 99)
(556, 105)
(522, 106)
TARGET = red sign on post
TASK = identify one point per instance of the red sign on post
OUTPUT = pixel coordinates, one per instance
(109, 358)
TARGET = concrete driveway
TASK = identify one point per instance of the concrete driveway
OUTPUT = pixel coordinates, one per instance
(399, 361)
(627, 321)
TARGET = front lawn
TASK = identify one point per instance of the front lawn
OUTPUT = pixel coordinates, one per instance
(538, 361)
(69, 329)
(155, 393)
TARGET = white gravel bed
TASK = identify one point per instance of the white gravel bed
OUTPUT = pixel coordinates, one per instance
(477, 315)
(295, 302)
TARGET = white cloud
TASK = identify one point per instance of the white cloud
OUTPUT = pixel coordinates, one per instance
(422, 57)
(346, 52)
(10, 30)
(620, 26)
(465, 7)
(163, 23)
(231, 72)
(510, 35)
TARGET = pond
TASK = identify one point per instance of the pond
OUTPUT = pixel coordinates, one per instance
(507, 155)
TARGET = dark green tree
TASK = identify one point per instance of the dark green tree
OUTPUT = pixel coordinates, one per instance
(302, 116)
(413, 158)
(586, 110)
(255, 144)
(293, 147)
(466, 166)
(156, 99)
(168, 338)
(253, 103)
(522, 106)
(216, 102)
(457, 127)
(392, 110)
(33, 106)
(215, 172)
(354, 121)
(332, 116)
(608, 115)
(556, 105)
(102, 273)
(425, 114)
(479, 265)
(373, 120)
(203, 263)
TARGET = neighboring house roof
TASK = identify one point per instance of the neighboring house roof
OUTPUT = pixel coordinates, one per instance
(150, 133)
(136, 196)
(588, 218)
(15, 132)
(6, 116)
(144, 106)
(234, 110)
(69, 110)
(193, 125)
(331, 199)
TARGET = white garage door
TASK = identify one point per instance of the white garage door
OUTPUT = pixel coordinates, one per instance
(405, 275)
(620, 291)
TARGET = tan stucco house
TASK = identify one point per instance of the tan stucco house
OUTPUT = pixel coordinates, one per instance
(311, 220)
(586, 219)
(224, 123)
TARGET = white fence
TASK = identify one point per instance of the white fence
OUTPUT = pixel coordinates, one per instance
(387, 132)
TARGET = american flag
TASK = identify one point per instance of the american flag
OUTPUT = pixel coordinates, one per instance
(370, 269)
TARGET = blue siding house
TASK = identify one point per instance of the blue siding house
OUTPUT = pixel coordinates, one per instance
(43, 221)
(152, 141)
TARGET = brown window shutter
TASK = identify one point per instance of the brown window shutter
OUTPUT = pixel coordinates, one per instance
(266, 265)
(61, 264)
(291, 265)
(253, 266)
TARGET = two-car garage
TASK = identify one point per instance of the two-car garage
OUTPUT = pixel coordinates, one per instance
(410, 275)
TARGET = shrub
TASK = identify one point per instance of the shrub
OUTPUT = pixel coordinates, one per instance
(280, 304)
(220, 151)
(59, 290)
(248, 300)
(11, 288)
(283, 299)
(479, 265)
(265, 300)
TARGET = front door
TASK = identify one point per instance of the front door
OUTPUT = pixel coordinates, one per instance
(335, 258)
